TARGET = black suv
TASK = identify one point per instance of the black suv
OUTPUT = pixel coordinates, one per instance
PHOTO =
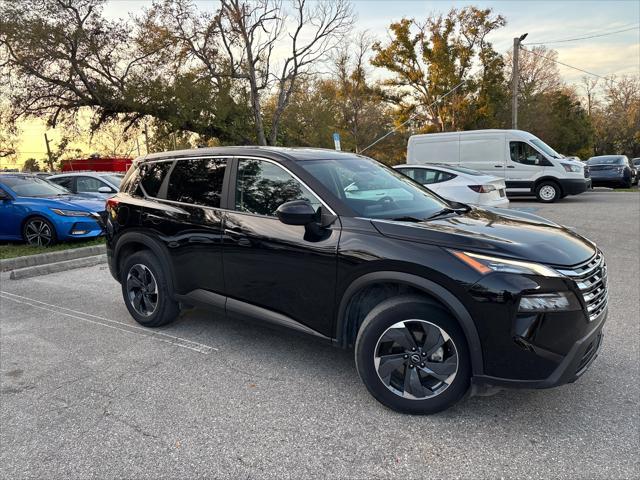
(437, 298)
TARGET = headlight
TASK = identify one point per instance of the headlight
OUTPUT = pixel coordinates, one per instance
(549, 302)
(484, 264)
(71, 213)
(569, 167)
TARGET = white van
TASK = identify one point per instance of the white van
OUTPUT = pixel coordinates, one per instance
(528, 165)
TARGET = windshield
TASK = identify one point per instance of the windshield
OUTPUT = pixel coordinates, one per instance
(607, 160)
(373, 190)
(114, 179)
(25, 186)
(545, 148)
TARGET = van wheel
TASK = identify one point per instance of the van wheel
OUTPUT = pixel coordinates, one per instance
(145, 291)
(548, 192)
(412, 356)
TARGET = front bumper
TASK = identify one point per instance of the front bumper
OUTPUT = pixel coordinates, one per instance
(78, 227)
(574, 186)
(575, 363)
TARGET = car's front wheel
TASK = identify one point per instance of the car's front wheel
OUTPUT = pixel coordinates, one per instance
(412, 356)
(548, 192)
(39, 232)
(145, 291)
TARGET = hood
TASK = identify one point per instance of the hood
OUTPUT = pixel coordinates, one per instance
(70, 202)
(499, 232)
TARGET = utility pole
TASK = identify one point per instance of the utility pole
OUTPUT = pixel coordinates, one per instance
(514, 80)
(49, 155)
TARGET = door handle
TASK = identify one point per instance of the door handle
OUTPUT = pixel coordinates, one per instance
(511, 166)
(498, 166)
(237, 234)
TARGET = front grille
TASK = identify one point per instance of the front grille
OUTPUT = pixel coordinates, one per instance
(591, 279)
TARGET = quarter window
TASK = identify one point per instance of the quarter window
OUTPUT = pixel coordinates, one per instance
(524, 153)
(261, 187)
(197, 181)
(152, 176)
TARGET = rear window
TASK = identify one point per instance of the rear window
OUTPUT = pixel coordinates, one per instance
(153, 175)
(606, 160)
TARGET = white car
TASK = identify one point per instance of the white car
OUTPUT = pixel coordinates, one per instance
(101, 184)
(459, 184)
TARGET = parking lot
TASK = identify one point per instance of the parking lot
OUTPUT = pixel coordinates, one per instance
(85, 392)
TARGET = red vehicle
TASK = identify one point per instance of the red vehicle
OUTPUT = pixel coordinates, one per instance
(98, 164)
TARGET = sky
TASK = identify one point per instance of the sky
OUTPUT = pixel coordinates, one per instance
(543, 20)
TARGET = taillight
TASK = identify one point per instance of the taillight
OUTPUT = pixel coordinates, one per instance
(112, 203)
(482, 188)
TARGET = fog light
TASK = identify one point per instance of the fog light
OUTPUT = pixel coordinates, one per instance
(79, 232)
(549, 302)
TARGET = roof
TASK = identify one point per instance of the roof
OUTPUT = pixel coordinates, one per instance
(277, 153)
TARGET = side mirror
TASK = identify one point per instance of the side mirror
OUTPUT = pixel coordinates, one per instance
(105, 190)
(296, 212)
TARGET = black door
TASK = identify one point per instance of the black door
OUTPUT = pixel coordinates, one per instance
(184, 213)
(286, 269)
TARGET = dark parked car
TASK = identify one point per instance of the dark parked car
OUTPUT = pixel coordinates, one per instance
(611, 170)
(636, 163)
(436, 297)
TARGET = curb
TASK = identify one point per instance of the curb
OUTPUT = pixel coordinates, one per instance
(47, 258)
(37, 270)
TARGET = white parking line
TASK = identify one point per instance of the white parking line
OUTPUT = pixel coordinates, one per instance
(163, 337)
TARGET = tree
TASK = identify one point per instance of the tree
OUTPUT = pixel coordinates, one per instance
(31, 165)
(537, 72)
(61, 56)
(431, 58)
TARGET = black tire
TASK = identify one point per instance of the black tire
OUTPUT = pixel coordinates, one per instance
(38, 231)
(416, 312)
(150, 307)
(548, 192)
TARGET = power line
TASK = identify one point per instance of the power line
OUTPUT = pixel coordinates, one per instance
(413, 116)
(566, 64)
(584, 38)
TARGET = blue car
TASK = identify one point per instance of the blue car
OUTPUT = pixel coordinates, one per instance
(43, 213)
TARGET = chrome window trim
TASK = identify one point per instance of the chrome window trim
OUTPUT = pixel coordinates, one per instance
(237, 157)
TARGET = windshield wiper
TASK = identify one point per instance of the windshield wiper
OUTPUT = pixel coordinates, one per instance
(446, 211)
(408, 219)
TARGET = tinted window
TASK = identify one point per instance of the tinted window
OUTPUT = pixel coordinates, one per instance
(261, 187)
(427, 176)
(152, 176)
(373, 190)
(197, 181)
(66, 182)
(524, 153)
(89, 184)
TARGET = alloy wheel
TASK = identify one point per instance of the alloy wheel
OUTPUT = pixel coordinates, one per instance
(38, 233)
(416, 359)
(142, 290)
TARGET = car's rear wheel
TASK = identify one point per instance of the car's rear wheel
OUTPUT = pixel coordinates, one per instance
(548, 192)
(412, 356)
(145, 291)
(39, 232)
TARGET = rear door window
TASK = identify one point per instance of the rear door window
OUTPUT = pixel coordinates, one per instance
(198, 182)
(66, 182)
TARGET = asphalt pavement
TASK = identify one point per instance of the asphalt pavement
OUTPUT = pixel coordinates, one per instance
(87, 393)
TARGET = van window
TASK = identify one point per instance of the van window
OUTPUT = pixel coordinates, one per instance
(524, 153)
(197, 181)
